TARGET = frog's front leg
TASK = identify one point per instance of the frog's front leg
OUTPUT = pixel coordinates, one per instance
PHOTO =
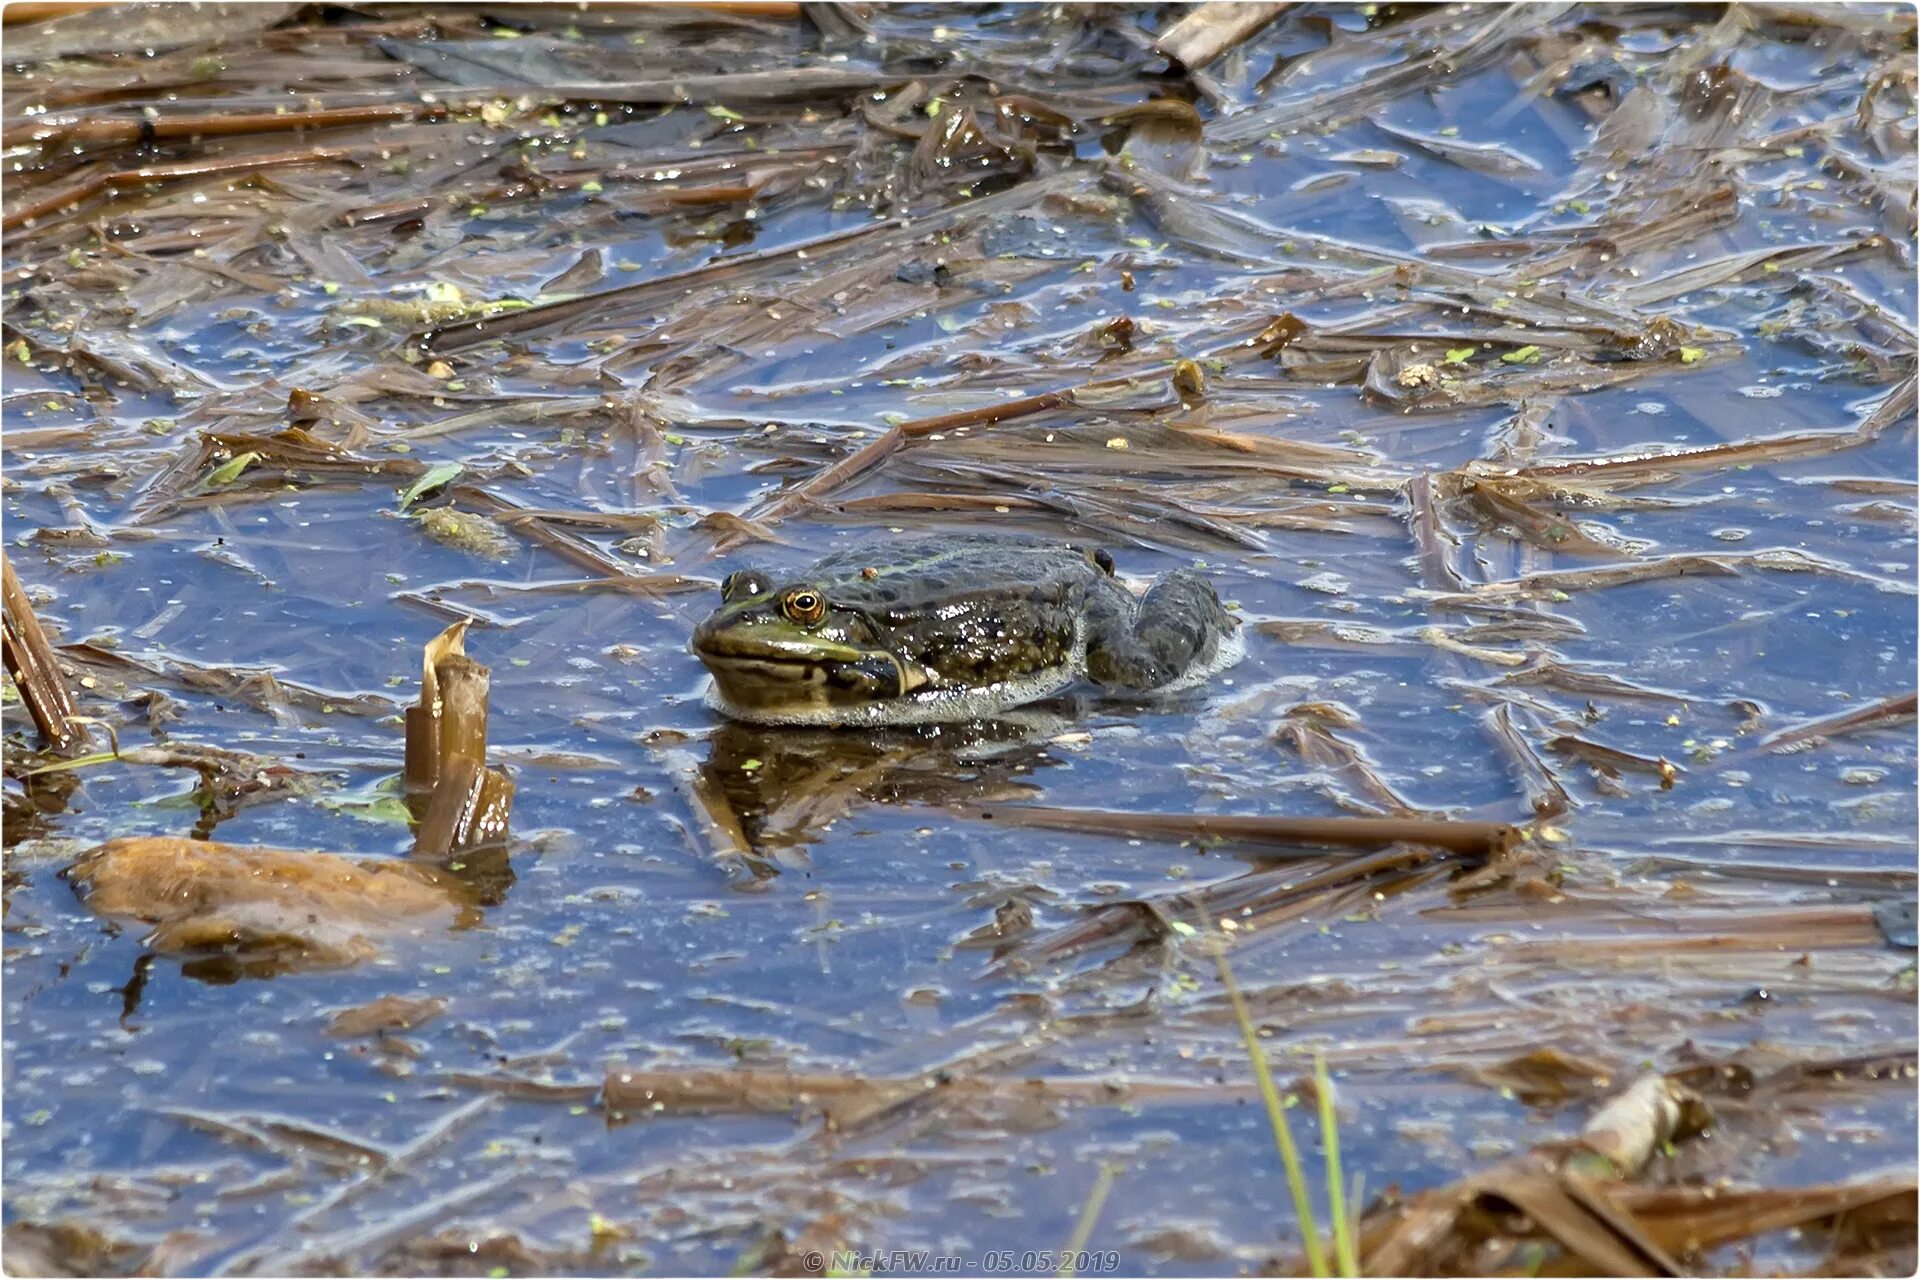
(1140, 646)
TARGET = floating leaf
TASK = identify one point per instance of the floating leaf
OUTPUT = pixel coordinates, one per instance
(1689, 354)
(389, 808)
(1525, 355)
(228, 472)
(1460, 355)
(440, 475)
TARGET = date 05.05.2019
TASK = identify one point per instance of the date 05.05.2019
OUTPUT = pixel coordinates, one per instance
(849, 1262)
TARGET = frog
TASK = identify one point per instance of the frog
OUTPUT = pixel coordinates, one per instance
(949, 628)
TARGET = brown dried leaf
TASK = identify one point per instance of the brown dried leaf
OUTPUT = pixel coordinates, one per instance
(281, 907)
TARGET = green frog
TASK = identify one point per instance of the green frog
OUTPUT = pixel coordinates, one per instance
(928, 629)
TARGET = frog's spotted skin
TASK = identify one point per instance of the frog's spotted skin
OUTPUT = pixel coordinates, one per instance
(930, 629)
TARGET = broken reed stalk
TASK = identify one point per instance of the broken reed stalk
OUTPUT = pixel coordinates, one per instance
(1885, 711)
(1213, 28)
(422, 767)
(870, 455)
(464, 685)
(1895, 407)
(86, 189)
(29, 660)
(987, 414)
(789, 9)
(1624, 1134)
(24, 11)
(1545, 796)
(894, 438)
(835, 477)
(123, 130)
(1472, 839)
(846, 1101)
(461, 802)
(465, 333)
(1436, 567)
(469, 801)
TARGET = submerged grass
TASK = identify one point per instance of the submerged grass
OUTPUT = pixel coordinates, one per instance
(1089, 1216)
(78, 762)
(1346, 1256)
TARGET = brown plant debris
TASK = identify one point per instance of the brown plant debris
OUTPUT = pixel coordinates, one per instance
(1582, 1199)
(1469, 838)
(265, 909)
(388, 1013)
(1211, 29)
(462, 801)
(35, 673)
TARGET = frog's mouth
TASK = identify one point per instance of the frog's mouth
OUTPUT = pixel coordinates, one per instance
(778, 678)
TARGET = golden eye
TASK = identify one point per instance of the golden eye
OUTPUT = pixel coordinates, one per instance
(804, 605)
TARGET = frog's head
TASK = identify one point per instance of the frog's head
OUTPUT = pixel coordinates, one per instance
(788, 652)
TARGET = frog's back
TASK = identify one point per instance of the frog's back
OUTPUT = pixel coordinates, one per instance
(976, 610)
(934, 565)
(912, 575)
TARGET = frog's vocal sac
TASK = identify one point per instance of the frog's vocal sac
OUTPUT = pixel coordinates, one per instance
(929, 629)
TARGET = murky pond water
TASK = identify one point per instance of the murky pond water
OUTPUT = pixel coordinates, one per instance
(1537, 384)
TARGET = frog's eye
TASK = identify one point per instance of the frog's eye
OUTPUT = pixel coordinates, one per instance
(804, 605)
(742, 584)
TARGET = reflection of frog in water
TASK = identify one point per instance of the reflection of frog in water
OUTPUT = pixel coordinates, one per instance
(783, 786)
(943, 629)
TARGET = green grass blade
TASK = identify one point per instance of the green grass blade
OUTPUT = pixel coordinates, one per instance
(1282, 1132)
(1345, 1256)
